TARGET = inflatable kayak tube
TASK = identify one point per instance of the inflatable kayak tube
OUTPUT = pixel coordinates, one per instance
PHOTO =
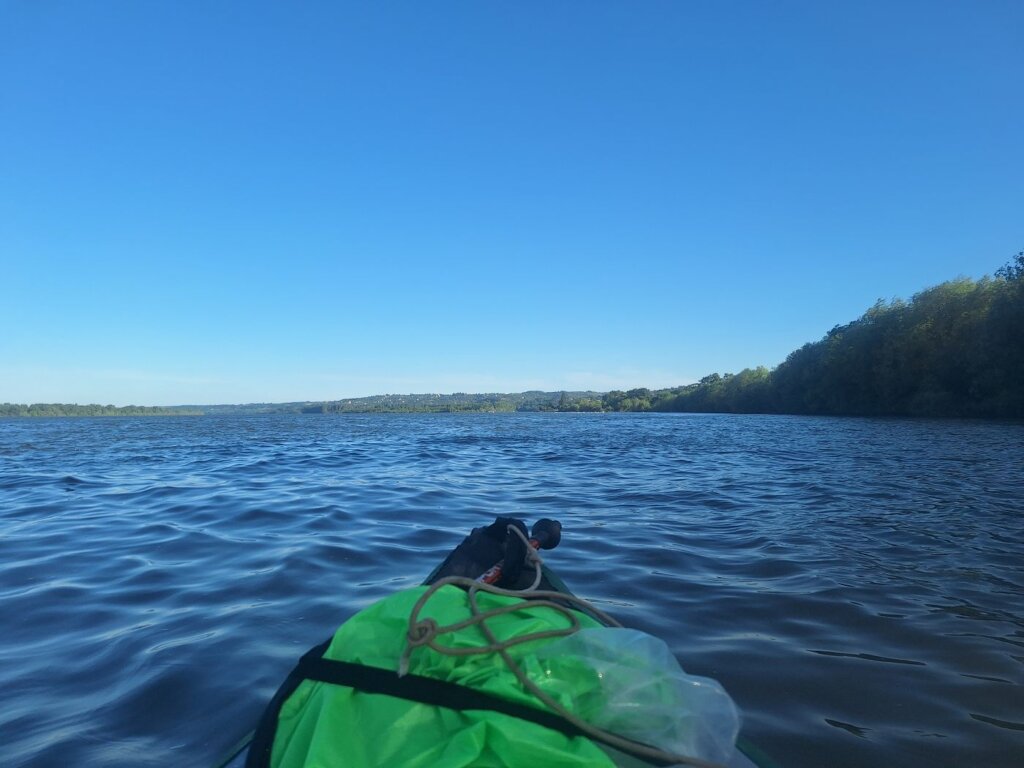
(460, 705)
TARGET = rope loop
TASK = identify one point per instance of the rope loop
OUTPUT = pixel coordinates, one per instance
(425, 631)
(422, 633)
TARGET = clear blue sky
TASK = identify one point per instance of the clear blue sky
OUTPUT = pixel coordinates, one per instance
(234, 202)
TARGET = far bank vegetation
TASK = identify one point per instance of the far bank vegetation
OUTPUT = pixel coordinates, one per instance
(956, 349)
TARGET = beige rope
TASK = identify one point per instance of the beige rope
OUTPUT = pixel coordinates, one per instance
(424, 632)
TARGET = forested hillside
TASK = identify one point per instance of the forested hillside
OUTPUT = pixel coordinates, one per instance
(956, 349)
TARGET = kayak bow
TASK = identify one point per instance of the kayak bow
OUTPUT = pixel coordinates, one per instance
(344, 701)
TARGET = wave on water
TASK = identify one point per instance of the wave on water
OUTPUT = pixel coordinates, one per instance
(857, 585)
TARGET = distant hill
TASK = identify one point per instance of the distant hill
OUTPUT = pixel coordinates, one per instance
(456, 402)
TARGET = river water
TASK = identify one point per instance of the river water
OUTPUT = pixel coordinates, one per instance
(856, 584)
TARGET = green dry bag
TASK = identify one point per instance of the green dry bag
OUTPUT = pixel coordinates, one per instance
(345, 705)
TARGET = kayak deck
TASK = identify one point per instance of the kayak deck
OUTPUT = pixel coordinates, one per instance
(550, 581)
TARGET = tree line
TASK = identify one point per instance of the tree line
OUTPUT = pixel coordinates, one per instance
(956, 349)
(457, 402)
(67, 409)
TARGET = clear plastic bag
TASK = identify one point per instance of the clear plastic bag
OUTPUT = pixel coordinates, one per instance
(629, 683)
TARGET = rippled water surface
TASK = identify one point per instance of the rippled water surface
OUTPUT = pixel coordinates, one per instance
(857, 585)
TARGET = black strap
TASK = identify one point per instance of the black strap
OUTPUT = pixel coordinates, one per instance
(385, 682)
(426, 690)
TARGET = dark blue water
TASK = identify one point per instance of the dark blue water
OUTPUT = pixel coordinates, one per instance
(857, 585)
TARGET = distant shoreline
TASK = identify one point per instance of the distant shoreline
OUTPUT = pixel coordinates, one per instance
(414, 403)
(954, 350)
(69, 410)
